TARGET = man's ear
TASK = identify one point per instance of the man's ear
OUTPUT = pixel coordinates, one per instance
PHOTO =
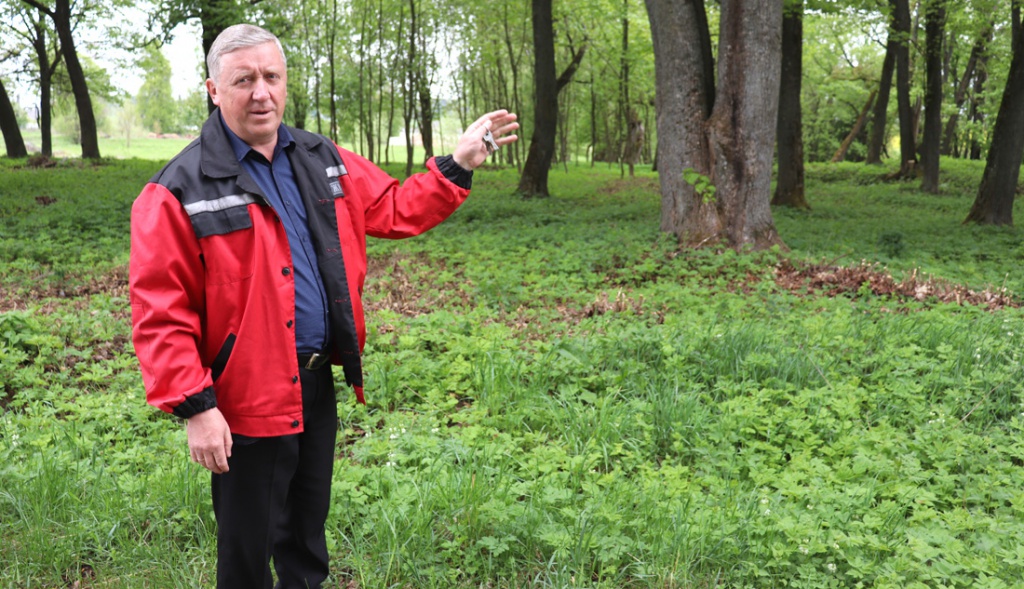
(211, 87)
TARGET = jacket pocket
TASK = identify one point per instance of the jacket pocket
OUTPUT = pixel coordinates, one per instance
(221, 360)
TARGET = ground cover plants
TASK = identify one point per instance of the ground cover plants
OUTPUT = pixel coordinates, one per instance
(558, 397)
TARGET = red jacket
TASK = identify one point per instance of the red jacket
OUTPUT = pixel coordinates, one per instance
(212, 295)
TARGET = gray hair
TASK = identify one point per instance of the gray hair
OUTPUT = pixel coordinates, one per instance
(238, 37)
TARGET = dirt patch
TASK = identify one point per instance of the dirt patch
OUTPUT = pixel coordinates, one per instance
(626, 184)
(389, 286)
(830, 280)
(113, 283)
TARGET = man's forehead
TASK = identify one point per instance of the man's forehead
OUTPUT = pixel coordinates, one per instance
(263, 56)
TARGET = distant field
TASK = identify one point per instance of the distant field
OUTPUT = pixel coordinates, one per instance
(141, 147)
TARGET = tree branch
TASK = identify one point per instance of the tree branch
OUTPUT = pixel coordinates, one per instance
(40, 7)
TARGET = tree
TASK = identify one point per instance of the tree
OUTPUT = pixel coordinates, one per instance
(960, 94)
(13, 140)
(726, 134)
(908, 143)
(993, 204)
(534, 180)
(62, 18)
(935, 19)
(789, 186)
(879, 122)
(156, 106)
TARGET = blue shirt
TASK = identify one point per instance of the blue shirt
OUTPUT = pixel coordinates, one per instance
(277, 181)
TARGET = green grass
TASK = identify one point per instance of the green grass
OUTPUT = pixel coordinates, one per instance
(558, 398)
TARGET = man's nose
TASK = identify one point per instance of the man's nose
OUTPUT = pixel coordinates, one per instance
(261, 91)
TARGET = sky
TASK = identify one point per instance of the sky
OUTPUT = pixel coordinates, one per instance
(184, 52)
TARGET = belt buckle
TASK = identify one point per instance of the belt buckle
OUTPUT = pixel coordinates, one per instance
(314, 359)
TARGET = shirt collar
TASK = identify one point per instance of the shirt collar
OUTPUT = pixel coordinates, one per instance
(242, 149)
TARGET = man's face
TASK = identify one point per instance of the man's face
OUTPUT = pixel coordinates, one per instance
(251, 92)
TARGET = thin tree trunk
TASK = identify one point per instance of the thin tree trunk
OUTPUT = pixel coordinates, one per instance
(789, 186)
(61, 17)
(409, 100)
(879, 120)
(994, 202)
(46, 71)
(908, 147)
(534, 180)
(960, 96)
(862, 118)
(935, 23)
(977, 114)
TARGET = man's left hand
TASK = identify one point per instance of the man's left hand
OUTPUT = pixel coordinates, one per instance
(471, 150)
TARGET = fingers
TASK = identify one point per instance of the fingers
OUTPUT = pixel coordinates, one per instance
(209, 441)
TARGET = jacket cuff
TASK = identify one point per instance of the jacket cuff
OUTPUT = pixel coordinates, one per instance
(455, 173)
(196, 404)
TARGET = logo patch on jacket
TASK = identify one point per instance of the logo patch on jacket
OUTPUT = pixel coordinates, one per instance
(333, 178)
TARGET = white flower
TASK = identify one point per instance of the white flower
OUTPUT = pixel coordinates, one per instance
(764, 501)
(767, 512)
(832, 568)
(804, 550)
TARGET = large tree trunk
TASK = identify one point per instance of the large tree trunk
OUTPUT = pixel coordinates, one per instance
(684, 97)
(994, 203)
(534, 181)
(876, 143)
(908, 143)
(789, 186)
(733, 147)
(935, 24)
(13, 140)
(741, 130)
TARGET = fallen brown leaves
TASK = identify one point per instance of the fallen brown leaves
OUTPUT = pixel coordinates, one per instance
(831, 280)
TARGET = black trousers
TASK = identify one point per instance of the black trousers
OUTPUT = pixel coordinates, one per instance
(273, 501)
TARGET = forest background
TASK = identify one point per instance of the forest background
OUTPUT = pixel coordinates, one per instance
(836, 405)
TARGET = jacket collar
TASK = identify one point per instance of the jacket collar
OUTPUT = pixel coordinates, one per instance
(218, 159)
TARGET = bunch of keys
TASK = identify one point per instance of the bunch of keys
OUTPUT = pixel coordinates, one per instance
(490, 143)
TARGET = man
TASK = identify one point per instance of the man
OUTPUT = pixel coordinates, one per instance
(246, 275)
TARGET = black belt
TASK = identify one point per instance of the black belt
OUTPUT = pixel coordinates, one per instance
(315, 360)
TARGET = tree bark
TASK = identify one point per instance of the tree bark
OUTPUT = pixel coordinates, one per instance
(46, 71)
(879, 119)
(935, 24)
(733, 146)
(908, 143)
(61, 17)
(534, 180)
(13, 140)
(789, 186)
(994, 202)
(858, 126)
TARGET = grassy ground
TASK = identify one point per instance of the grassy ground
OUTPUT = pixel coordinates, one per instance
(558, 398)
